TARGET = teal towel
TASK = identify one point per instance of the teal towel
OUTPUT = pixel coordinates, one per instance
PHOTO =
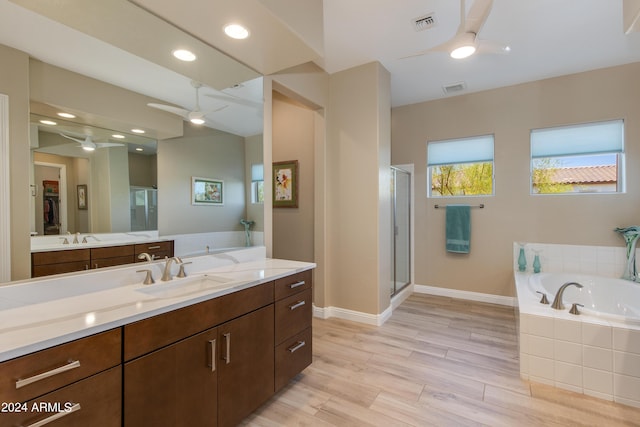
(458, 228)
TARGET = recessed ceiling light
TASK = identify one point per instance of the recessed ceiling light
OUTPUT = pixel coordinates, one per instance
(48, 122)
(184, 55)
(67, 115)
(117, 136)
(236, 31)
(139, 149)
(137, 130)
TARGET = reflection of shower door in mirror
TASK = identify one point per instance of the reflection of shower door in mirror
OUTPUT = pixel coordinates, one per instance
(401, 229)
(144, 208)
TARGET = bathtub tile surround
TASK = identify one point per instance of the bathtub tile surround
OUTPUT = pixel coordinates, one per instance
(593, 355)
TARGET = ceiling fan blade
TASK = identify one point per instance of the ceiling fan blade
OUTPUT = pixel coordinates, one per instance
(443, 47)
(477, 16)
(108, 144)
(72, 138)
(171, 109)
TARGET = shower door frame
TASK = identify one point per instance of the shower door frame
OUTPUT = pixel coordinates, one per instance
(408, 170)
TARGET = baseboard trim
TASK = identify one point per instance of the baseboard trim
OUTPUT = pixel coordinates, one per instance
(354, 316)
(467, 295)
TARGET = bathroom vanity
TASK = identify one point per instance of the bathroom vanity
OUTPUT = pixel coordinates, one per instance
(203, 350)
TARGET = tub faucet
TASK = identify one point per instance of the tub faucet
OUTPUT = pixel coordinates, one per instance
(166, 276)
(557, 301)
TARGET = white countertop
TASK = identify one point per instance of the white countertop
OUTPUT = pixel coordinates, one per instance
(38, 314)
(93, 240)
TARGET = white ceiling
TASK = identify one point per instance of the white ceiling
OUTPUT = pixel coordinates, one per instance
(548, 38)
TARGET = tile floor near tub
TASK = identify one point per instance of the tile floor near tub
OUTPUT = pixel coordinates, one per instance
(597, 360)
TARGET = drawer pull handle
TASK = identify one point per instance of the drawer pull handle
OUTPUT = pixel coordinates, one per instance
(295, 285)
(297, 346)
(76, 407)
(153, 247)
(71, 365)
(227, 339)
(296, 305)
(212, 365)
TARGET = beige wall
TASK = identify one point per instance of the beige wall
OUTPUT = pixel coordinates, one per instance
(513, 214)
(205, 153)
(293, 139)
(143, 170)
(14, 82)
(358, 190)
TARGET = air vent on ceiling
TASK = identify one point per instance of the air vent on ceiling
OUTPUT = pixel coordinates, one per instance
(424, 22)
(455, 87)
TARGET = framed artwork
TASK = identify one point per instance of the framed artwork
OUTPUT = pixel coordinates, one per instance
(82, 196)
(285, 184)
(207, 191)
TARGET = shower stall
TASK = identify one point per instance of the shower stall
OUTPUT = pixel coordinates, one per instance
(400, 229)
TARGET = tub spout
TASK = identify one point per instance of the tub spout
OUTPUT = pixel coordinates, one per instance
(557, 301)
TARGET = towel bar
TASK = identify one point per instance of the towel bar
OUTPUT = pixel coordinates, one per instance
(480, 206)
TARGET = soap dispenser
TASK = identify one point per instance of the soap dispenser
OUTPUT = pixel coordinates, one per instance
(522, 259)
(536, 262)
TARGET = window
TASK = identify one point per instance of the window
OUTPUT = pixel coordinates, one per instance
(257, 183)
(585, 158)
(460, 167)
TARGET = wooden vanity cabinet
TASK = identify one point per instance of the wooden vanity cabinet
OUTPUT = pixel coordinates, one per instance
(246, 365)
(174, 386)
(56, 262)
(293, 315)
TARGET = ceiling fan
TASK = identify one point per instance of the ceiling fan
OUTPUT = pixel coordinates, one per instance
(195, 116)
(89, 145)
(466, 42)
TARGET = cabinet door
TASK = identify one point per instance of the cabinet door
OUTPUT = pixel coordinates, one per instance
(174, 386)
(246, 365)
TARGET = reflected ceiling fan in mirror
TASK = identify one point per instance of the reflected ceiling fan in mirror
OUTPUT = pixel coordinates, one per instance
(466, 42)
(88, 144)
(195, 116)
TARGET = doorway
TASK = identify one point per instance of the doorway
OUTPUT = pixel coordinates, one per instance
(50, 199)
(400, 229)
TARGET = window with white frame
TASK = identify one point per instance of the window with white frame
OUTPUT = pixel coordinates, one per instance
(460, 167)
(583, 158)
(257, 183)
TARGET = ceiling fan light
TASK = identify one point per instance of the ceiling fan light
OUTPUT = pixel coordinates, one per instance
(87, 148)
(197, 121)
(464, 51)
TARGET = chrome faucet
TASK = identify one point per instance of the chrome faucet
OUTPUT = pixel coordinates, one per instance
(166, 276)
(557, 301)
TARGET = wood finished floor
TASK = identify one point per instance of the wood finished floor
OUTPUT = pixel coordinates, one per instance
(437, 361)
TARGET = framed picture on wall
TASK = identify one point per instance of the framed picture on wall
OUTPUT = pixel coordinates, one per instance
(285, 184)
(207, 191)
(82, 196)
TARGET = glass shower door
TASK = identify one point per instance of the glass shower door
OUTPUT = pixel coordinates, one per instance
(401, 229)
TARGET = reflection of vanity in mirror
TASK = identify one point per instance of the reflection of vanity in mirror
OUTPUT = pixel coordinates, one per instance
(115, 196)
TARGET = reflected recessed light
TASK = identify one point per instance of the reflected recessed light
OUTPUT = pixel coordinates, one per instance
(67, 115)
(236, 31)
(117, 136)
(139, 149)
(184, 55)
(137, 130)
(48, 122)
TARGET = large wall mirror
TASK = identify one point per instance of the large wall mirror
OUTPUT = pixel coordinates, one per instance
(133, 181)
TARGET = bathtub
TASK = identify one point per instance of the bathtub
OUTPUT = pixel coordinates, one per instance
(603, 297)
(596, 352)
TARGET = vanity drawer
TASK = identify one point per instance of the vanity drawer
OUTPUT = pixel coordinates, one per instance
(56, 257)
(38, 373)
(158, 249)
(291, 284)
(95, 401)
(112, 252)
(292, 356)
(292, 315)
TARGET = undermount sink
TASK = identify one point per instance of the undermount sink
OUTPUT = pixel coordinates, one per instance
(184, 287)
